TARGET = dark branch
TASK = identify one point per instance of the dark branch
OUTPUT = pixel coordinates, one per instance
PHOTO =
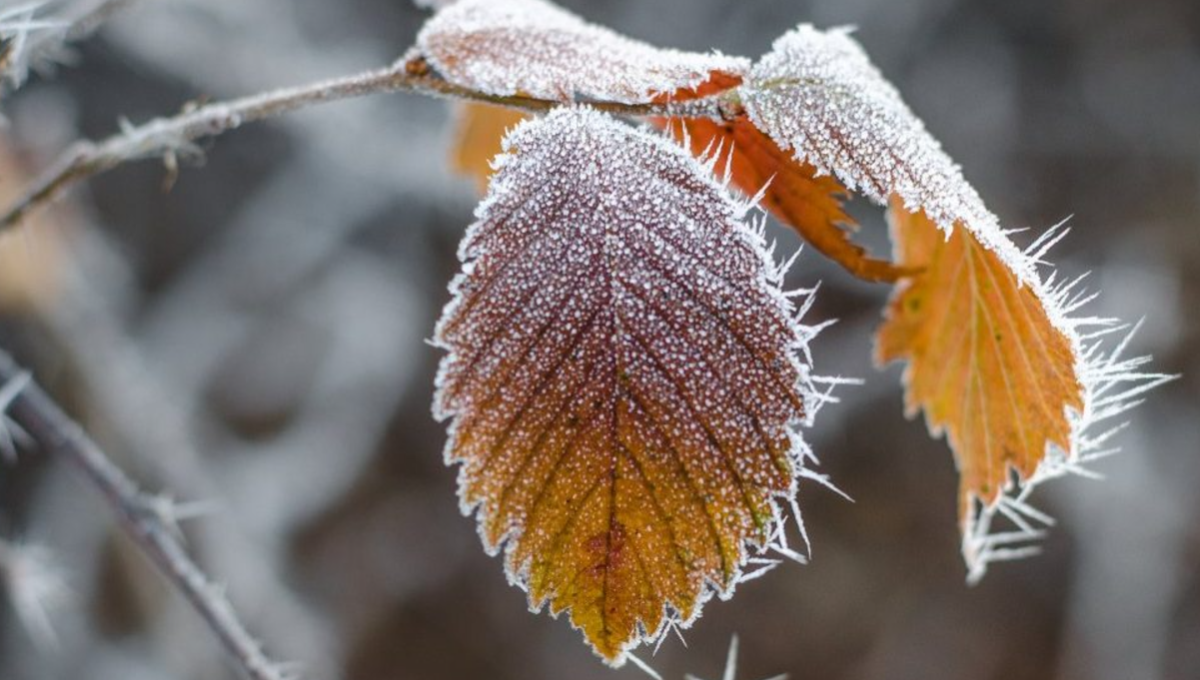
(168, 137)
(148, 520)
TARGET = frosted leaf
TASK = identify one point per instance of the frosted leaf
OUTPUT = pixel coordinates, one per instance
(997, 358)
(792, 191)
(624, 378)
(818, 94)
(536, 49)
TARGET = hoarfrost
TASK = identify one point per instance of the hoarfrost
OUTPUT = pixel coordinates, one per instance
(534, 48)
(619, 326)
(818, 94)
(17, 25)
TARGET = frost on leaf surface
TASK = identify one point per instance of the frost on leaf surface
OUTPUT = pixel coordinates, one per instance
(817, 94)
(624, 379)
(792, 190)
(994, 357)
(534, 48)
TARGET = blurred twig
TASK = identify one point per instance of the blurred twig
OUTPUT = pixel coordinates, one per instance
(170, 137)
(150, 521)
(35, 41)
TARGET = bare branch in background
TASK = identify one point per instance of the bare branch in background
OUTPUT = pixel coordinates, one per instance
(169, 138)
(148, 520)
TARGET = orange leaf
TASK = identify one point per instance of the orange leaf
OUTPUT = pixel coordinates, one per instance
(31, 260)
(995, 358)
(478, 131)
(795, 193)
(537, 49)
(986, 361)
(624, 379)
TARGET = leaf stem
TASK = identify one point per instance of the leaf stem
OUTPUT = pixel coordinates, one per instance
(170, 137)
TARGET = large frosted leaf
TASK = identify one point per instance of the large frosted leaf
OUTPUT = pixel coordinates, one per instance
(623, 377)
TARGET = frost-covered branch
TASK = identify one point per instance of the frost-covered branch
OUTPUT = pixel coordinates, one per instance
(151, 521)
(20, 30)
(170, 138)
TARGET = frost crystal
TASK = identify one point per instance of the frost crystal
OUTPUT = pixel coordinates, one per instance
(534, 48)
(625, 379)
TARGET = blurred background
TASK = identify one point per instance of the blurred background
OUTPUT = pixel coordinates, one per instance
(254, 339)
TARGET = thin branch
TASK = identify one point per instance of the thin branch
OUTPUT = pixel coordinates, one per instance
(145, 518)
(169, 137)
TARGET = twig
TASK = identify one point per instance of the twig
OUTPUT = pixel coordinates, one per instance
(167, 137)
(144, 518)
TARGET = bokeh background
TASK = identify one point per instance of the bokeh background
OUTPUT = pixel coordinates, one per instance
(254, 338)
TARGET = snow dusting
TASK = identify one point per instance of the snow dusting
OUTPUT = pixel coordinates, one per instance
(536, 49)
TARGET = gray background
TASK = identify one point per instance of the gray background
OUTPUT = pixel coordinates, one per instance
(255, 338)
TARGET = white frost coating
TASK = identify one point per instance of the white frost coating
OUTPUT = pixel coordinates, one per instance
(17, 24)
(532, 47)
(594, 234)
(818, 94)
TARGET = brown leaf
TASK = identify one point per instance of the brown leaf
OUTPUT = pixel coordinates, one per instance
(623, 378)
(795, 193)
(985, 359)
(478, 131)
(537, 49)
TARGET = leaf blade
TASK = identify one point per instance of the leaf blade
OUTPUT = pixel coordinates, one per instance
(818, 95)
(622, 379)
(478, 132)
(535, 48)
(1001, 384)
